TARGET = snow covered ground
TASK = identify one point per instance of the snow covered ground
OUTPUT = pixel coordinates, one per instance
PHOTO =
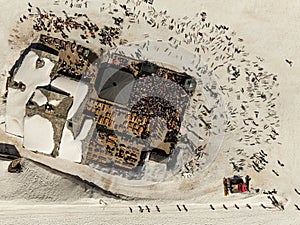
(70, 147)
(77, 90)
(39, 98)
(36, 126)
(119, 213)
(38, 134)
(269, 31)
(17, 99)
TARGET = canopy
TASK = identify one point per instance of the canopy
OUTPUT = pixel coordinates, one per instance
(115, 85)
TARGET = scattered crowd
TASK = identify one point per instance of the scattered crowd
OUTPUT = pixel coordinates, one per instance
(249, 124)
(73, 60)
(50, 22)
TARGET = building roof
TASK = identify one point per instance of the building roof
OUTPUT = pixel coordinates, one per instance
(9, 151)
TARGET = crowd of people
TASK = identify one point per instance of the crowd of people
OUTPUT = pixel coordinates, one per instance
(225, 50)
(77, 4)
(149, 1)
(73, 58)
(50, 22)
(104, 148)
(167, 99)
(112, 142)
(142, 109)
(179, 79)
(220, 44)
(156, 107)
(162, 88)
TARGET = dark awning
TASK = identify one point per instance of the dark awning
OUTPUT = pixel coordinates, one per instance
(115, 85)
(9, 151)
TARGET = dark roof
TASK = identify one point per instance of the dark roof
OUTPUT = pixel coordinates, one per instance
(149, 68)
(158, 155)
(92, 56)
(9, 151)
(44, 48)
(114, 85)
(51, 88)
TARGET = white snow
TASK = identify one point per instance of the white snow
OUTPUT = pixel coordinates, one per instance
(38, 134)
(276, 42)
(39, 98)
(70, 147)
(16, 99)
(85, 129)
(15, 111)
(29, 75)
(54, 102)
(76, 89)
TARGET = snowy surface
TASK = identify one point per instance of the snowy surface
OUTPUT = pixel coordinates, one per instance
(39, 98)
(77, 90)
(30, 75)
(16, 99)
(70, 147)
(15, 111)
(38, 134)
(118, 213)
(275, 38)
(54, 102)
(85, 129)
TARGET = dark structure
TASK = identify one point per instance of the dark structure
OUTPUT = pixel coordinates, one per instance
(139, 108)
(9, 151)
(15, 166)
(158, 155)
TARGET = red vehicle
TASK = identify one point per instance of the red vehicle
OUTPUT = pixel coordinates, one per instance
(236, 184)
